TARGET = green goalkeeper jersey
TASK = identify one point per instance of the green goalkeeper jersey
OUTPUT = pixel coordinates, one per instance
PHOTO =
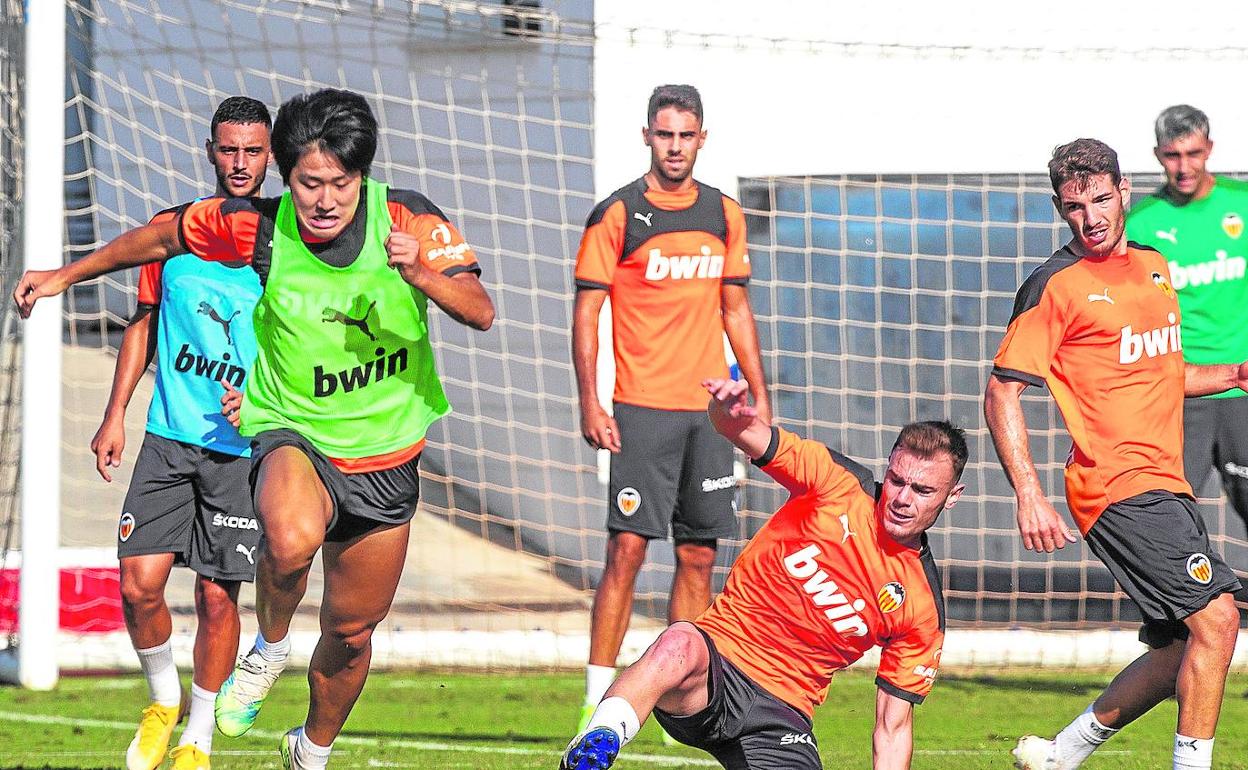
(1205, 244)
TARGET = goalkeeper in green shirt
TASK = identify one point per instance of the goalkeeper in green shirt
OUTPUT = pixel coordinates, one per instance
(1196, 220)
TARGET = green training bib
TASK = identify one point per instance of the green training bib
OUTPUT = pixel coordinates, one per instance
(344, 356)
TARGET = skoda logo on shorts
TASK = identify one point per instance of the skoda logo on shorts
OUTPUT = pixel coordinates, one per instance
(891, 597)
(1200, 568)
(125, 527)
(628, 501)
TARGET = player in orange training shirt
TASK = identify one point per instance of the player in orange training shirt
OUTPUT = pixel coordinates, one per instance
(1098, 323)
(842, 567)
(670, 253)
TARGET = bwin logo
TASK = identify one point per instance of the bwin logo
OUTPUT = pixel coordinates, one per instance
(824, 593)
(186, 362)
(1151, 343)
(684, 266)
(359, 376)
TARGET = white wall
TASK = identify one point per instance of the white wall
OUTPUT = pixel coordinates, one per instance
(986, 87)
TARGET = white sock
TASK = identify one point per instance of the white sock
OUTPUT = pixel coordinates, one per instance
(617, 714)
(1192, 752)
(162, 675)
(598, 680)
(308, 755)
(200, 722)
(273, 652)
(1080, 738)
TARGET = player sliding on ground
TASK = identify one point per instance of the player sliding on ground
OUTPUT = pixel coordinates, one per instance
(1116, 371)
(338, 408)
(842, 567)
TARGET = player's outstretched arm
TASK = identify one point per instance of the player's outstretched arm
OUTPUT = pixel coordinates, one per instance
(149, 243)
(1039, 523)
(734, 418)
(743, 336)
(598, 427)
(1205, 380)
(892, 743)
(138, 348)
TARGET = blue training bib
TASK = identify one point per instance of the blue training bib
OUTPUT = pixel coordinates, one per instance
(204, 335)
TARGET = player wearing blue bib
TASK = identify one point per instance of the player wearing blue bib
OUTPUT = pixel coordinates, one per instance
(189, 501)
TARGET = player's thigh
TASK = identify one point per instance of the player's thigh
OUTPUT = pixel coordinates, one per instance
(645, 473)
(227, 530)
(1156, 547)
(290, 498)
(1200, 436)
(159, 507)
(361, 576)
(705, 509)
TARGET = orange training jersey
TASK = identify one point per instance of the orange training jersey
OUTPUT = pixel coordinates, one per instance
(663, 258)
(1104, 335)
(821, 584)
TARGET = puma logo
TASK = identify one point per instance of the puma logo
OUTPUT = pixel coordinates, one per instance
(1171, 235)
(211, 312)
(1181, 744)
(329, 315)
(846, 533)
(1101, 297)
(245, 551)
(643, 217)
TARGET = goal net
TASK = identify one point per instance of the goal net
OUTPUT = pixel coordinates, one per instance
(879, 300)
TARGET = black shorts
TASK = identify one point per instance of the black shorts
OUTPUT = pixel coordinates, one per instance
(194, 503)
(361, 501)
(1156, 547)
(744, 726)
(672, 471)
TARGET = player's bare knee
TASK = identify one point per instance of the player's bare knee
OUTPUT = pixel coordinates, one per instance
(695, 559)
(215, 602)
(625, 554)
(288, 551)
(680, 650)
(1217, 625)
(140, 595)
(352, 636)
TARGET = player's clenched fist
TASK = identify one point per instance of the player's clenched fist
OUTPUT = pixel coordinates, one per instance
(33, 285)
(403, 250)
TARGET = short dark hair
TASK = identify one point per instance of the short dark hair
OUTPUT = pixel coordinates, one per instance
(1179, 121)
(932, 437)
(240, 110)
(1081, 160)
(335, 121)
(684, 98)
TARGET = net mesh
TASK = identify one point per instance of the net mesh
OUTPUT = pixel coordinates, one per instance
(879, 299)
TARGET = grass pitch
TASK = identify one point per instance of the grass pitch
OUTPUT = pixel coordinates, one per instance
(509, 720)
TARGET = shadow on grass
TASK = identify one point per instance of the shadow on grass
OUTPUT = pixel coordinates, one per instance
(502, 737)
(1015, 683)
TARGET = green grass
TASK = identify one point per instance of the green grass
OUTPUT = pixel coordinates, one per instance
(486, 721)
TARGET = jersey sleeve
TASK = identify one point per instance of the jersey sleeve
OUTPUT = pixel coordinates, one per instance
(1036, 330)
(908, 663)
(442, 247)
(803, 465)
(149, 283)
(220, 229)
(602, 246)
(736, 259)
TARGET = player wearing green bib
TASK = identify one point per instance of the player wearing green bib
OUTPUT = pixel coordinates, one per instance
(1196, 220)
(341, 393)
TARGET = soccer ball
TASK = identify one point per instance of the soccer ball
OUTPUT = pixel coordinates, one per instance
(1034, 753)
